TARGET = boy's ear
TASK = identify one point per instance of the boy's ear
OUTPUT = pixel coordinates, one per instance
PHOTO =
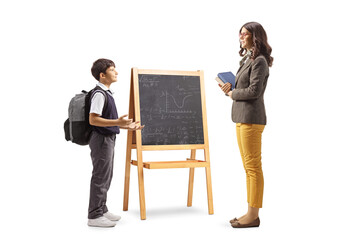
(102, 75)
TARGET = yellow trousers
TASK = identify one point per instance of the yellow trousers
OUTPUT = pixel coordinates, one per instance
(249, 141)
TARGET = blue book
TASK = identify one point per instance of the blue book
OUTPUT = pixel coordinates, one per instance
(227, 77)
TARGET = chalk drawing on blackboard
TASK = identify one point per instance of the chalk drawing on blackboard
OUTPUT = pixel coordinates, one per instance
(171, 104)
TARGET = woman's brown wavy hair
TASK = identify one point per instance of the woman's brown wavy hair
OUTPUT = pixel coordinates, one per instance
(260, 44)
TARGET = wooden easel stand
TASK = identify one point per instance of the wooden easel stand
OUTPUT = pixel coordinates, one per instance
(134, 142)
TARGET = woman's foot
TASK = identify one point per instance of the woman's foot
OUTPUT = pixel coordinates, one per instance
(247, 219)
(254, 223)
(251, 217)
(237, 219)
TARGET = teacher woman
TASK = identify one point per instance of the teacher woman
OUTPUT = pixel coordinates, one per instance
(248, 112)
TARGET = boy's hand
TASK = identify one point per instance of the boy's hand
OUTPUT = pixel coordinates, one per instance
(123, 121)
(129, 124)
(135, 126)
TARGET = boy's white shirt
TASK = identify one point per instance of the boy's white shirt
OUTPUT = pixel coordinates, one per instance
(98, 100)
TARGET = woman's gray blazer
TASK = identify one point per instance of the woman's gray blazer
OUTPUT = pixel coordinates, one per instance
(248, 95)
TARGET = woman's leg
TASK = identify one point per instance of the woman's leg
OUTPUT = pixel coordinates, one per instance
(238, 125)
(250, 141)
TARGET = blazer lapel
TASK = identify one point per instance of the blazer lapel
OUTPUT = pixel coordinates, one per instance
(242, 69)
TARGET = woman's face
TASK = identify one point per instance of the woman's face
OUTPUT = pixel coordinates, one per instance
(245, 38)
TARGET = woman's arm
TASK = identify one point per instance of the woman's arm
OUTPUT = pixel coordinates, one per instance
(257, 77)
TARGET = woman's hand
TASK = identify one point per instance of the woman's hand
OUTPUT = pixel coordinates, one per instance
(226, 87)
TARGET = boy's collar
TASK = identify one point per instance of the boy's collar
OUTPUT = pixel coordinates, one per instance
(105, 88)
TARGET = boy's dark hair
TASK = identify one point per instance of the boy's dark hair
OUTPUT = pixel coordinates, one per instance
(100, 66)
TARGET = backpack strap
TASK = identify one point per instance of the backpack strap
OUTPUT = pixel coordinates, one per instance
(96, 90)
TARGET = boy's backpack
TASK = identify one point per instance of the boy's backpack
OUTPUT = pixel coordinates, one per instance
(77, 127)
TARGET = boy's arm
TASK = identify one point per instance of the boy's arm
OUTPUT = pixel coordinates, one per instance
(96, 120)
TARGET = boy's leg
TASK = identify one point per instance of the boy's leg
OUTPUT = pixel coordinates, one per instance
(102, 155)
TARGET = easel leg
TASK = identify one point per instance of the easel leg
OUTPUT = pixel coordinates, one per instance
(208, 183)
(191, 180)
(128, 149)
(127, 172)
(141, 185)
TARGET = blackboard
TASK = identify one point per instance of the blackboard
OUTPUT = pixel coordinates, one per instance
(170, 109)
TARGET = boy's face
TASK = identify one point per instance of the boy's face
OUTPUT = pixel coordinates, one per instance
(110, 76)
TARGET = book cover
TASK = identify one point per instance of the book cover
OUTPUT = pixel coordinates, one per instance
(226, 77)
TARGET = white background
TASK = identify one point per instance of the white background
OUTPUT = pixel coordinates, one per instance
(310, 145)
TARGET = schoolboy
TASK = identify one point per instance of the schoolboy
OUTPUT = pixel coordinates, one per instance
(106, 125)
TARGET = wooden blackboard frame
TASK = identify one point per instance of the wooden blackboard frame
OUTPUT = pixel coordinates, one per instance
(134, 141)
